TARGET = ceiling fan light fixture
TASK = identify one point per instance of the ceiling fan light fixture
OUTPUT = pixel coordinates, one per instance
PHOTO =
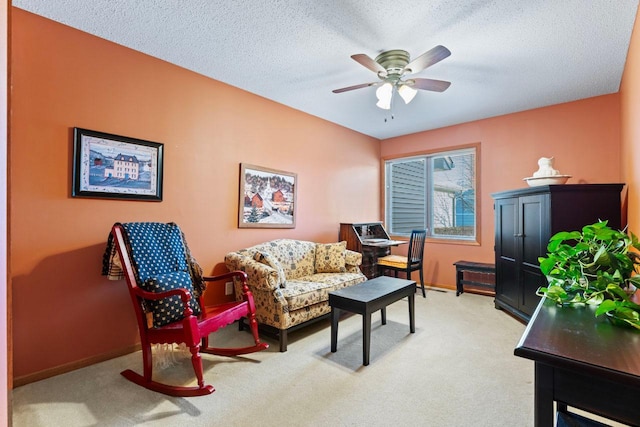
(392, 66)
(384, 105)
(407, 93)
(384, 94)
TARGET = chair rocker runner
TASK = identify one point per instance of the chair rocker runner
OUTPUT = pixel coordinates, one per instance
(412, 262)
(166, 285)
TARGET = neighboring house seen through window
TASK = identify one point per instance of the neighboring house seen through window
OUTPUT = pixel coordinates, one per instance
(436, 191)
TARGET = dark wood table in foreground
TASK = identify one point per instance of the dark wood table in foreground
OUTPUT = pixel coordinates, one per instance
(367, 298)
(583, 362)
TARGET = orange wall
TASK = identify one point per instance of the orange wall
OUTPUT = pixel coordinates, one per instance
(630, 125)
(63, 310)
(582, 136)
(5, 296)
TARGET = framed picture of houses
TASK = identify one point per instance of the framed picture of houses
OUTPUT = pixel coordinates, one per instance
(267, 198)
(113, 166)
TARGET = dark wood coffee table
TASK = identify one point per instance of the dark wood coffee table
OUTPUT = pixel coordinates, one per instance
(366, 298)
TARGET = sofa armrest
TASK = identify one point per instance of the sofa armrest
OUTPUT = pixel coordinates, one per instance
(353, 258)
(259, 275)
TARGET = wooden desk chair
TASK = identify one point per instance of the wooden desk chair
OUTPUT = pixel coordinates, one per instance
(412, 262)
(166, 287)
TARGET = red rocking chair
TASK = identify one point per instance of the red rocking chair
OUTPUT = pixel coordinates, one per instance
(142, 248)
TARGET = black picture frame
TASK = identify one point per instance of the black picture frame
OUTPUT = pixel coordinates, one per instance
(116, 167)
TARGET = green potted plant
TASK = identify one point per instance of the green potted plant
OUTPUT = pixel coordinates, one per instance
(594, 266)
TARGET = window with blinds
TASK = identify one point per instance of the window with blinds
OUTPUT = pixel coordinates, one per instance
(434, 191)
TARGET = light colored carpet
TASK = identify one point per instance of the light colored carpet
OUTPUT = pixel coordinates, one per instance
(458, 369)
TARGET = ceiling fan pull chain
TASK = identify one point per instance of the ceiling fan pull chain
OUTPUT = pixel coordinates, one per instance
(390, 109)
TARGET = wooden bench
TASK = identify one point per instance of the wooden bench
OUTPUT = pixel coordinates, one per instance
(476, 274)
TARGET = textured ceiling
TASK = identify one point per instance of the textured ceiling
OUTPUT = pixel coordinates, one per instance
(507, 55)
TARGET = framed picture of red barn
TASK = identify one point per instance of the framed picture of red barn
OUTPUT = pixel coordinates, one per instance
(267, 198)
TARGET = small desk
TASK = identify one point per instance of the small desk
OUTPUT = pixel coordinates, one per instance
(372, 250)
(366, 298)
(582, 361)
(371, 240)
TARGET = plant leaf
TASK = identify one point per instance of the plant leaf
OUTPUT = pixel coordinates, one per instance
(546, 264)
(605, 307)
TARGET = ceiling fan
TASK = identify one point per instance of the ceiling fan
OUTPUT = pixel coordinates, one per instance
(392, 65)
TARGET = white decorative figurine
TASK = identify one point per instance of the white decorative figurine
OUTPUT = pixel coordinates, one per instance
(545, 167)
(546, 174)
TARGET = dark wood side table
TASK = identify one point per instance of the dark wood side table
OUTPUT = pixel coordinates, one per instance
(366, 298)
(582, 361)
(486, 271)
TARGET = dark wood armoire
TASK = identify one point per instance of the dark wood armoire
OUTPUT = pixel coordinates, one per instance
(526, 218)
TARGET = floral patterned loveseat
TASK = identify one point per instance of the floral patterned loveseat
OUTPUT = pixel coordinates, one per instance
(291, 279)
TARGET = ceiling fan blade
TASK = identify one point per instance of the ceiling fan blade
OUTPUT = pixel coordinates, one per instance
(348, 88)
(365, 60)
(427, 59)
(430, 84)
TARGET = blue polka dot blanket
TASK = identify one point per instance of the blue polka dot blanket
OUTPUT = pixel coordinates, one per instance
(162, 261)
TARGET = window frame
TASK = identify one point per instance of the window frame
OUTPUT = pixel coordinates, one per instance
(475, 240)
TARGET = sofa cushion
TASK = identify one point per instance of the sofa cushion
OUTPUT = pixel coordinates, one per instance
(309, 290)
(297, 257)
(397, 261)
(268, 259)
(330, 257)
